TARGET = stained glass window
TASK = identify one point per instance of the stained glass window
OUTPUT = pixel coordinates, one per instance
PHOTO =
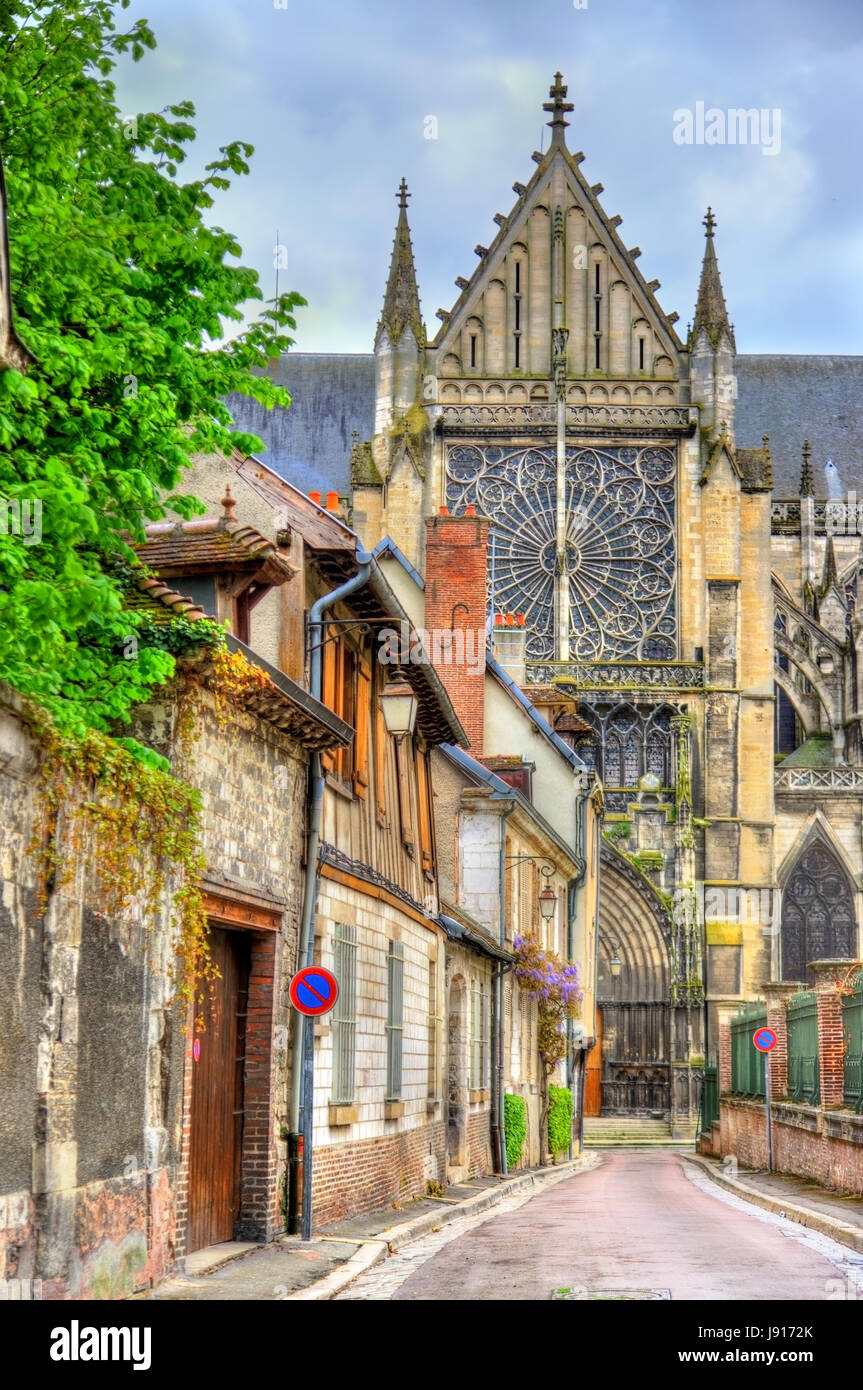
(631, 762)
(656, 756)
(612, 762)
(817, 913)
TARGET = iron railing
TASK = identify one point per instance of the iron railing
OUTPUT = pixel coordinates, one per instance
(804, 1083)
(747, 1063)
(852, 1019)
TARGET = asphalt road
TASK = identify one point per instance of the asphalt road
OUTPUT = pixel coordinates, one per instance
(643, 1220)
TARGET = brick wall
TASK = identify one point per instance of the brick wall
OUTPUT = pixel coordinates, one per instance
(810, 1143)
(350, 1179)
(455, 594)
(259, 1217)
(479, 1142)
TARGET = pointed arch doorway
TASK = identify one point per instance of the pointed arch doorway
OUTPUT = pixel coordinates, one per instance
(636, 1043)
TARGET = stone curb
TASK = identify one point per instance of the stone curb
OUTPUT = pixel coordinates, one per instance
(377, 1248)
(804, 1216)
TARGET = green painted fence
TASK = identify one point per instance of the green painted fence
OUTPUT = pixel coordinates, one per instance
(747, 1063)
(709, 1097)
(852, 1019)
(804, 1085)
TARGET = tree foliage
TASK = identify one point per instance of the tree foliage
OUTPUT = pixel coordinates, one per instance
(121, 292)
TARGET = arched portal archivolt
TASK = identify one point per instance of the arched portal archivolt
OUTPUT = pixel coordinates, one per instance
(636, 1004)
(631, 925)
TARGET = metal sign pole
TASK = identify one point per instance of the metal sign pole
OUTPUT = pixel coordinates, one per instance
(767, 1108)
(308, 1118)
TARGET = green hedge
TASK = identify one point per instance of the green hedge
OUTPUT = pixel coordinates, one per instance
(515, 1128)
(559, 1119)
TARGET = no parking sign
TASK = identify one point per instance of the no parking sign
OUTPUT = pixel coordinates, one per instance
(314, 991)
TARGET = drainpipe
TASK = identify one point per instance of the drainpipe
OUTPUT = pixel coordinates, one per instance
(498, 1128)
(597, 850)
(303, 1040)
(581, 802)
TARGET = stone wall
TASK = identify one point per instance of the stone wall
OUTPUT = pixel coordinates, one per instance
(95, 1062)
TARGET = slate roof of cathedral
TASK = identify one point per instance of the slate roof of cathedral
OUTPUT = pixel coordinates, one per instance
(332, 394)
(789, 398)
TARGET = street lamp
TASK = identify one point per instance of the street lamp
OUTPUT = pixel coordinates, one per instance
(615, 965)
(547, 898)
(399, 707)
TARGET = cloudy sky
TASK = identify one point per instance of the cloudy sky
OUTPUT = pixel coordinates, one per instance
(335, 96)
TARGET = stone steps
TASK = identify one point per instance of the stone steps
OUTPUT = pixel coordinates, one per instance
(633, 1131)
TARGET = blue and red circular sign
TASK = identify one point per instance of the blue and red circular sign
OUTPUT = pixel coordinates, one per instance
(764, 1039)
(314, 990)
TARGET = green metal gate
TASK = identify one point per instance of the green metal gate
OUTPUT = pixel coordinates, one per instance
(804, 1084)
(747, 1063)
(852, 1019)
(709, 1097)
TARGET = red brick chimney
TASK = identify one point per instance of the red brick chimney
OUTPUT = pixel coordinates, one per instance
(455, 594)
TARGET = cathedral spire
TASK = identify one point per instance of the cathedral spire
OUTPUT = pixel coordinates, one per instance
(558, 106)
(401, 301)
(710, 311)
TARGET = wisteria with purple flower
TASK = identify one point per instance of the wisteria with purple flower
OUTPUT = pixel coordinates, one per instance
(554, 984)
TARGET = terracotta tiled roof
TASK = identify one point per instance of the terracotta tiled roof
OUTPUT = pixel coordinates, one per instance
(279, 700)
(208, 545)
(164, 602)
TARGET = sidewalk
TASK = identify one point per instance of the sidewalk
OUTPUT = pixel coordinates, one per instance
(797, 1199)
(289, 1269)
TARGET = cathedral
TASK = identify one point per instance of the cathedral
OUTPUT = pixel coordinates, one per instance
(663, 515)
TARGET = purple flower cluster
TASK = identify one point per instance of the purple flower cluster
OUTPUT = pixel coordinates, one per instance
(543, 977)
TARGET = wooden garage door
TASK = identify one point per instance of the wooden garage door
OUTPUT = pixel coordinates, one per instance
(217, 1097)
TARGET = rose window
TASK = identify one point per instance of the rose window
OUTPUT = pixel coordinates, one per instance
(619, 554)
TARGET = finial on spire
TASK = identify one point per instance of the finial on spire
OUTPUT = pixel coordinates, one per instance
(807, 478)
(711, 314)
(401, 300)
(558, 106)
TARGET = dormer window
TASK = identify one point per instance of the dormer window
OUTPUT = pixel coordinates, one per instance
(221, 564)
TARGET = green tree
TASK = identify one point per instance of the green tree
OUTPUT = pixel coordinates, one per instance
(121, 292)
